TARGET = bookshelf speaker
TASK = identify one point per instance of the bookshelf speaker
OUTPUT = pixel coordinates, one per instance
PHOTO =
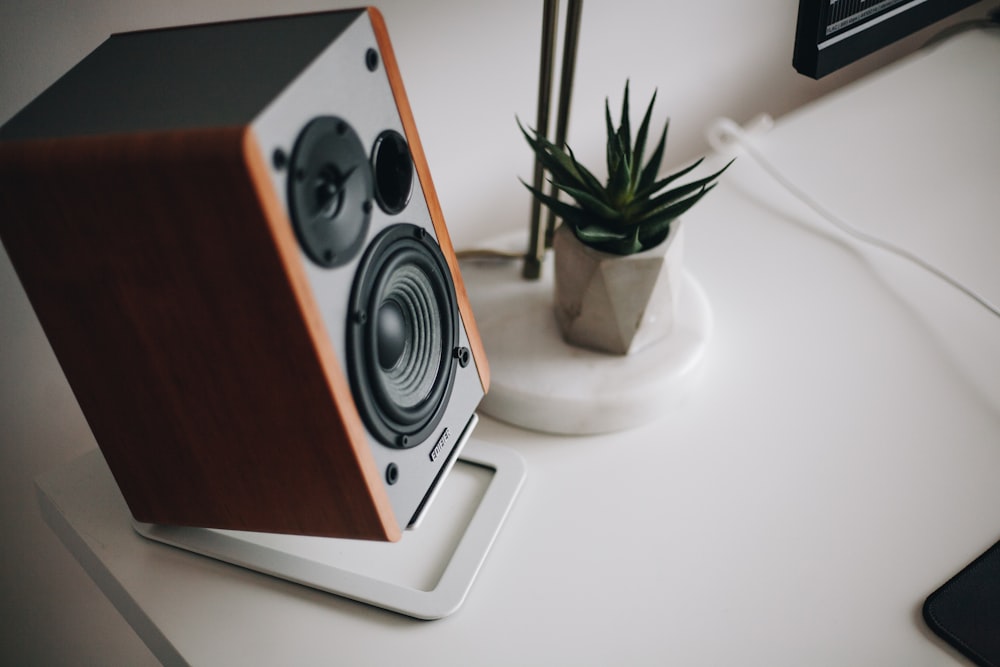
(230, 236)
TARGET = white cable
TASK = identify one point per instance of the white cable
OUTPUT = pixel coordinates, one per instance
(724, 132)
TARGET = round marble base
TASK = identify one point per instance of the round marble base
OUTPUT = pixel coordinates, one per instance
(538, 381)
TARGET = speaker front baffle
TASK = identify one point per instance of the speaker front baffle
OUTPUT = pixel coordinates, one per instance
(246, 276)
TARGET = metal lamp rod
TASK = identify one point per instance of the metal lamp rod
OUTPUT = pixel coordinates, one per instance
(536, 243)
(541, 237)
(573, 12)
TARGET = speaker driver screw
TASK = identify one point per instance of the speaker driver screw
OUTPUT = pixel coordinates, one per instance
(392, 474)
(279, 159)
(462, 355)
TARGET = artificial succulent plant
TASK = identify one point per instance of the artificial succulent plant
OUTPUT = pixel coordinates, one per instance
(633, 210)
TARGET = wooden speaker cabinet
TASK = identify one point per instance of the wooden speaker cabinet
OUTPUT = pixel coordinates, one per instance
(230, 236)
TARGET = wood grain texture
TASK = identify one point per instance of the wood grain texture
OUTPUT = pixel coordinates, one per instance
(433, 204)
(165, 275)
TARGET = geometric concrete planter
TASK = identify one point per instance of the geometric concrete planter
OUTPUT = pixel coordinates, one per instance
(617, 304)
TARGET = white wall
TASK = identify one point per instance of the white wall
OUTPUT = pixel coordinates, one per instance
(718, 57)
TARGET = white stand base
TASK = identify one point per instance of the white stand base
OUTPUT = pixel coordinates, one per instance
(405, 576)
(540, 382)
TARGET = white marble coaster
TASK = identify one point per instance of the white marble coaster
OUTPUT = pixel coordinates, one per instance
(541, 383)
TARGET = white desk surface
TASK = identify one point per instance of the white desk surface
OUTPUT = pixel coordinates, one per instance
(838, 461)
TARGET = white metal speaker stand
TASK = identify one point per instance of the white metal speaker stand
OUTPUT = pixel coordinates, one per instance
(426, 575)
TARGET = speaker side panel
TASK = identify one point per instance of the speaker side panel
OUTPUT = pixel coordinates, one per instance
(152, 263)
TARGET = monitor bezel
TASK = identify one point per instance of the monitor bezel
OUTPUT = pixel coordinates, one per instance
(816, 55)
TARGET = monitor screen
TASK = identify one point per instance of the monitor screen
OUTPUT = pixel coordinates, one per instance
(833, 33)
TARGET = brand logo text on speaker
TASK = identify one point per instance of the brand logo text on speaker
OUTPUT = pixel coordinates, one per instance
(440, 444)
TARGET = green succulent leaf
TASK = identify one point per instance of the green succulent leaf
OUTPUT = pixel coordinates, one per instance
(586, 200)
(673, 210)
(618, 244)
(598, 234)
(572, 215)
(624, 129)
(593, 185)
(653, 188)
(562, 166)
(640, 143)
(677, 194)
(683, 190)
(612, 138)
(620, 177)
(626, 246)
(652, 167)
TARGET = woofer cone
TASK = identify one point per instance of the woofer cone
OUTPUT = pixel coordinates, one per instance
(401, 333)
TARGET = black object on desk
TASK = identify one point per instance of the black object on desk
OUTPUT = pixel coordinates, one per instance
(965, 611)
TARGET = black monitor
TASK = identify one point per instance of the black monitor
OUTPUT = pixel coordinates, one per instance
(833, 33)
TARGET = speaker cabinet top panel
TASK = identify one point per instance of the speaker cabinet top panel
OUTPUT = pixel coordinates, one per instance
(213, 75)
